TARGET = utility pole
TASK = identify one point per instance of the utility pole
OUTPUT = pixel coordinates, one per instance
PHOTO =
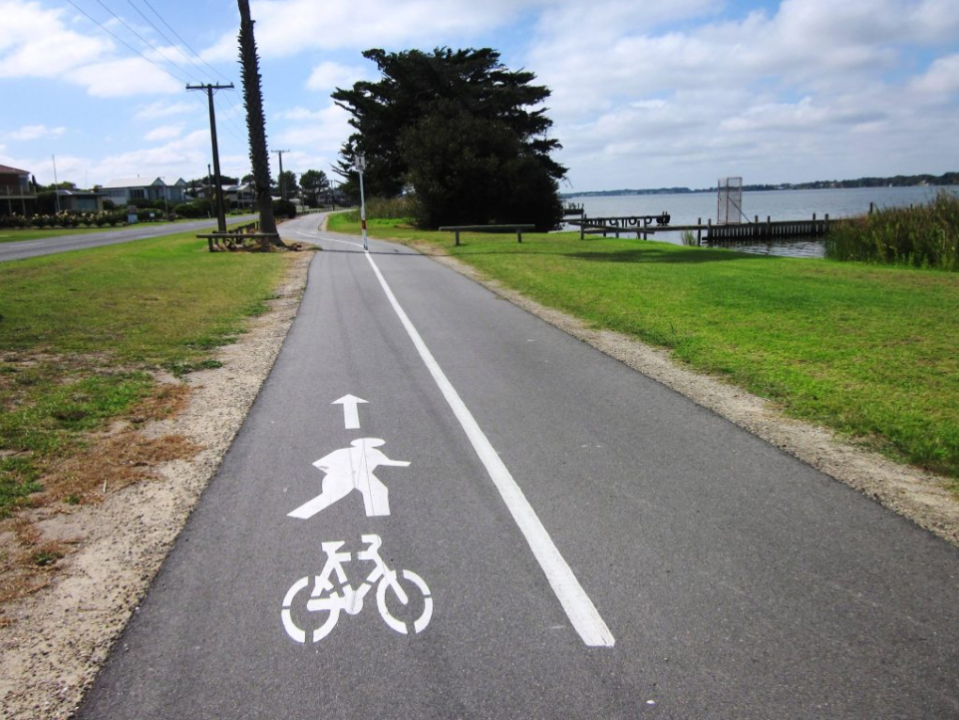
(56, 183)
(282, 184)
(218, 198)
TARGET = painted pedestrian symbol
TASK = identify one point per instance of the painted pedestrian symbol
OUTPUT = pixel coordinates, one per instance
(350, 469)
(328, 598)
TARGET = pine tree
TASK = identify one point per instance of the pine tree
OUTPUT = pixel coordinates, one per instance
(256, 122)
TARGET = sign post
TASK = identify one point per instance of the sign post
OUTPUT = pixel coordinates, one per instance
(360, 164)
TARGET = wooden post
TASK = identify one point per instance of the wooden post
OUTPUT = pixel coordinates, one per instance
(457, 233)
(699, 232)
(709, 228)
(519, 235)
(872, 206)
(826, 227)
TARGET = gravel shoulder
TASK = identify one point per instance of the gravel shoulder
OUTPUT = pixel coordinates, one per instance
(58, 637)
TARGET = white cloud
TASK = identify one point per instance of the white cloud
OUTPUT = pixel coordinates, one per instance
(164, 132)
(941, 80)
(35, 132)
(322, 130)
(36, 43)
(122, 78)
(180, 157)
(659, 92)
(329, 75)
(164, 108)
(810, 81)
(287, 27)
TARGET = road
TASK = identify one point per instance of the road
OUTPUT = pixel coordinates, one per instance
(81, 241)
(442, 507)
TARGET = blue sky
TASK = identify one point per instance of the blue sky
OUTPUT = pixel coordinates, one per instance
(645, 94)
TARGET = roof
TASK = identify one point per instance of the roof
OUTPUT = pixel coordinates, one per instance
(78, 193)
(142, 182)
(7, 170)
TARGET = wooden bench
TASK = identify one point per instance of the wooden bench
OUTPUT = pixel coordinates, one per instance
(518, 229)
(233, 240)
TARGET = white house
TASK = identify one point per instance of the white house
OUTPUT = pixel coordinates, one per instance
(122, 190)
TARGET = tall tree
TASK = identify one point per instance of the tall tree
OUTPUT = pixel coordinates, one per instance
(314, 183)
(502, 124)
(287, 182)
(256, 122)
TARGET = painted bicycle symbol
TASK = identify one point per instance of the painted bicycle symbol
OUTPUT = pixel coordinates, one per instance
(330, 599)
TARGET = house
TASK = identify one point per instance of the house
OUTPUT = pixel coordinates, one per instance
(80, 200)
(17, 194)
(122, 190)
(241, 195)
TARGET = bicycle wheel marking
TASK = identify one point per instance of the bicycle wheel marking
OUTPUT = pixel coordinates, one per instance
(324, 598)
(291, 629)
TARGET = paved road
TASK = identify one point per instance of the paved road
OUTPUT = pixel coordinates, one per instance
(571, 540)
(48, 246)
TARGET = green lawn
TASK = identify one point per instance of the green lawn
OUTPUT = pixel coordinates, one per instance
(867, 350)
(80, 331)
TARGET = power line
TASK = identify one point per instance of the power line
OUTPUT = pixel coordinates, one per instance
(176, 35)
(144, 40)
(166, 37)
(233, 107)
(124, 42)
(231, 119)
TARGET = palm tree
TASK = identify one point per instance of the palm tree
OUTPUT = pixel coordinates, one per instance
(256, 123)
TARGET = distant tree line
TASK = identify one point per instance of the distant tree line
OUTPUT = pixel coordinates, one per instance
(949, 178)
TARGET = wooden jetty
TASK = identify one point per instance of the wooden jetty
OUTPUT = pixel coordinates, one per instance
(712, 233)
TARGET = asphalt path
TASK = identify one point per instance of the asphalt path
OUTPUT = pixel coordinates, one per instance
(721, 577)
(81, 241)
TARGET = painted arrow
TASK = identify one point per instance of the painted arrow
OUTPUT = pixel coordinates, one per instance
(351, 413)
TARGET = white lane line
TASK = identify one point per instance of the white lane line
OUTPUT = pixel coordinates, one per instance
(317, 236)
(579, 608)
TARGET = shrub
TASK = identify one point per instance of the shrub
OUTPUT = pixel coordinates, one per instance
(199, 208)
(925, 236)
(284, 208)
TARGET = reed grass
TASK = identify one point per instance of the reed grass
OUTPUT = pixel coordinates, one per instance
(385, 209)
(924, 236)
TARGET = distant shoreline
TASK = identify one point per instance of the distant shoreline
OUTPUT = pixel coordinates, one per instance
(945, 180)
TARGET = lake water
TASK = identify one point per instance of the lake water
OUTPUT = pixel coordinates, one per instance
(688, 208)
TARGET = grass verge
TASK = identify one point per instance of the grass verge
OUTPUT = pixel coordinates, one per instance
(868, 351)
(82, 333)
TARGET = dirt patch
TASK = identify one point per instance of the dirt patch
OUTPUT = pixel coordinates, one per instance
(922, 497)
(89, 565)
